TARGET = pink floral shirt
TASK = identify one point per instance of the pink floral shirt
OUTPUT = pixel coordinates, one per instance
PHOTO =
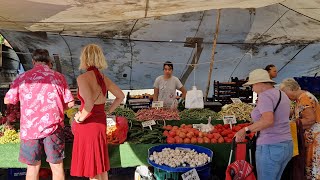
(43, 95)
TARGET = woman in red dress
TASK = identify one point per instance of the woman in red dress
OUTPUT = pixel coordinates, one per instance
(90, 151)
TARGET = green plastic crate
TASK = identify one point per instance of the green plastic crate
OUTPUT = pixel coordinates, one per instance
(164, 175)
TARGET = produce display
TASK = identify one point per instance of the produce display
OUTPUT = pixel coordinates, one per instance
(124, 112)
(179, 157)
(141, 96)
(197, 114)
(11, 114)
(71, 112)
(10, 136)
(117, 134)
(186, 134)
(242, 111)
(137, 134)
(157, 114)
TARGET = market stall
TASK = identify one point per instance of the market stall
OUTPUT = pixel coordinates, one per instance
(139, 140)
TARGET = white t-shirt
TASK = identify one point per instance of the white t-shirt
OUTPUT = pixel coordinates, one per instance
(167, 89)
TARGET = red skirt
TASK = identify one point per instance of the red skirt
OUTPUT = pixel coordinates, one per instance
(90, 149)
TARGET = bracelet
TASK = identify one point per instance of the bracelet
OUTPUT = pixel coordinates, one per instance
(78, 120)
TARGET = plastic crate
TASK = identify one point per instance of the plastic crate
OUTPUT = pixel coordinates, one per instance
(163, 175)
(159, 174)
(17, 174)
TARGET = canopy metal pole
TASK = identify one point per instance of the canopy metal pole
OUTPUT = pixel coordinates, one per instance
(213, 52)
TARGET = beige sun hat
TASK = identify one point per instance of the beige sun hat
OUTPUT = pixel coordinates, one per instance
(258, 76)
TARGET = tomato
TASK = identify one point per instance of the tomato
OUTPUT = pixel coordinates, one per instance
(186, 141)
(172, 133)
(184, 130)
(215, 130)
(206, 140)
(214, 141)
(182, 135)
(236, 128)
(194, 140)
(169, 127)
(224, 133)
(230, 135)
(219, 126)
(221, 140)
(216, 135)
(166, 133)
(205, 134)
(228, 140)
(171, 140)
(175, 127)
(183, 125)
(226, 126)
(179, 140)
(200, 140)
(201, 134)
(196, 132)
(190, 135)
(210, 136)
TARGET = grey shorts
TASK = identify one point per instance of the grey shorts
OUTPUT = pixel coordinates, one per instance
(53, 145)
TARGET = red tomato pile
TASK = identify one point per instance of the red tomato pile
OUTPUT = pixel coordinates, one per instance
(185, 134)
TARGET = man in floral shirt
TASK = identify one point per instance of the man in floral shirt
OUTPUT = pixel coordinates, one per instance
(43, 95)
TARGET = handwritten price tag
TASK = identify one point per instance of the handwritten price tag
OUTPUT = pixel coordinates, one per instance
(148, 123)
(229, 119)
(111, 120)
(236, 100)
(157, 104)
(190, 175)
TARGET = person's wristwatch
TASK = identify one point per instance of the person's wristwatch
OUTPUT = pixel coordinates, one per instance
(247, 130)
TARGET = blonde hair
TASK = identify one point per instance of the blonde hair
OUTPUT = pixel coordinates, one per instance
(290, 84)
(92, 55)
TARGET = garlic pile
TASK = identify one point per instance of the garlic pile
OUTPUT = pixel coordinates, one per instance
(179, 157)
(207, 128)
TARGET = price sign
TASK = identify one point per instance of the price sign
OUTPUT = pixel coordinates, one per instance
(236, 100)
(190, 175)
(148, 124)
(229, 119)
(157, 104)
(111, 120)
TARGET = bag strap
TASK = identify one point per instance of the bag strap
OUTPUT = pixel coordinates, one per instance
(274, 110)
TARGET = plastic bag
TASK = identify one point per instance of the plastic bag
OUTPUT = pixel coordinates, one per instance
(118, 134)
(194, 99)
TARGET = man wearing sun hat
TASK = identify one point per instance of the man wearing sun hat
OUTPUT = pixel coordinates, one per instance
(271, 117)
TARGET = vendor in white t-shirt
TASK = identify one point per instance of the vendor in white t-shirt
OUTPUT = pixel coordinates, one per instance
(166, 85)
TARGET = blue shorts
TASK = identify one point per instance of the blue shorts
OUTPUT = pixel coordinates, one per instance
(53, 145)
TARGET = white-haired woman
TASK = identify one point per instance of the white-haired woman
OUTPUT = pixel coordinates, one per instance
(307, 110)
(271, 118)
